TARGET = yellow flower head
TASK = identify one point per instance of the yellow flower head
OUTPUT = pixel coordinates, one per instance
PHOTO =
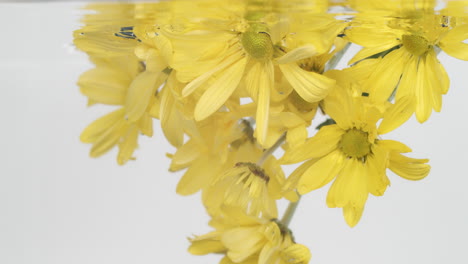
(223, 54)
(351, 153)
(247, 239)
(408, 45)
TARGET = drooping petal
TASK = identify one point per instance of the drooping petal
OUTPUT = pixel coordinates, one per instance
(350, 187)
(199, 175)
(220, 90)
(139, 94)
(127, 145)
(171, 118)
(409, 168)
(383, 81)
(397, 114)
(185, 155)
(265, 85)
(104, 85)
(296, 54)
(311, 86)
(423, 95)
(242, 242)
(197, 82)
(352, 214)
(98, 127)
(205, 244)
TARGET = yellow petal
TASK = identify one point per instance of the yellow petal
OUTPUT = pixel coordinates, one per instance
(393, 145)
(209, 243)
(452, 43)
(321, 172)
(423, 96)
(409, 168)
(383, 82)
(242, 242)
(104, 85)
(350, 187)
(139, 94)
(325, 141)
(265, 85)
(397, 114)
(220, 90)
(352, 214)
(199, 175)
(296, 54)
(185, 155)
(311, 86)
(98, 127)
(193, 85)
(171, 118)
(127, 145)
(369, 51)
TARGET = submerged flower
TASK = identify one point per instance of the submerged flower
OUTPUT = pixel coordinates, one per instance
(407, 64)
(351, 153)
(247, 239)
(109, 83)
(242, 54)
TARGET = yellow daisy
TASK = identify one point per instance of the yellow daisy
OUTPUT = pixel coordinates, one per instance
(244, 54)
(408, 50)
(248, 185)
(351, 153)
(247, 239)
(205, 154)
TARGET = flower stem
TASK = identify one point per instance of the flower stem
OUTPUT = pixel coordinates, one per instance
(336, 59)
(288, 215)
(272, 149)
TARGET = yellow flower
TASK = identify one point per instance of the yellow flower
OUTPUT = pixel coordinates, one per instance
(247, 239)
(239, 54)
(351, 153)
(252, 187)
(408, 46)
(108, 83)
(206, 152)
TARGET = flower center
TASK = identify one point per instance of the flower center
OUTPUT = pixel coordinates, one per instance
(255, 170)
(257, 42)
(312, 65)
(355, 144)
(416, 45)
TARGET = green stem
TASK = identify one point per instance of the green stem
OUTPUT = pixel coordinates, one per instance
(336, 59)
(272, 149)
(288, 215)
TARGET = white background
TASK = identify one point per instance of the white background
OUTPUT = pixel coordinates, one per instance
(58, 206)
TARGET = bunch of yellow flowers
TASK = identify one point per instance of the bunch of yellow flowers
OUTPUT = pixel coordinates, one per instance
(232, 81)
